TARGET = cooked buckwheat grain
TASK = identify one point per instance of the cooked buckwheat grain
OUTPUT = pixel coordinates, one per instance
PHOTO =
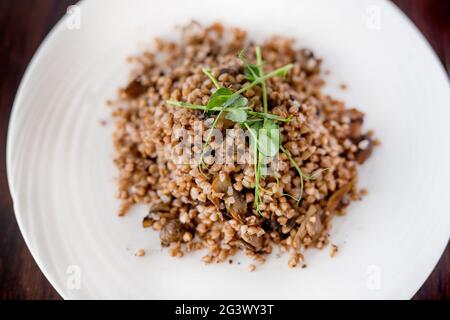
(192, 211)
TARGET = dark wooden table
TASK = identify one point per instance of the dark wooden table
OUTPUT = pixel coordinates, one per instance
(23, 25)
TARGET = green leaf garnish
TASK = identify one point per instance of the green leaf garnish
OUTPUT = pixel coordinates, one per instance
(265, 135)
(269, 139)
(237, 115)
(241, 102)
(282, 73)
(219, 98)
(251, 72)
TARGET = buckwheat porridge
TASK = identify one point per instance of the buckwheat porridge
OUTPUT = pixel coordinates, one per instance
(233, 146)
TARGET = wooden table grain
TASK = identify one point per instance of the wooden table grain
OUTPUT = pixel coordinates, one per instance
(24, 24)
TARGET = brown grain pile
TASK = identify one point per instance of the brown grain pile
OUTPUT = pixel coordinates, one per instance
(191, 210)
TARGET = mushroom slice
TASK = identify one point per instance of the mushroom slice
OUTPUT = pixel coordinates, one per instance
(337, 196)
(365, 148)
(255, 241)
(171, 232)
(221, 183)
(147, 222)
(161, 210)
(238, 208)
(135, 88)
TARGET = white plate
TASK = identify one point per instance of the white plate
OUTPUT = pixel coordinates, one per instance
(61, 174)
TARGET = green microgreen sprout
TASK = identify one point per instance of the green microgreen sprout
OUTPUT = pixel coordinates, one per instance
(265, 136)
(302, 176)
(211, 77)
(299, 171)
